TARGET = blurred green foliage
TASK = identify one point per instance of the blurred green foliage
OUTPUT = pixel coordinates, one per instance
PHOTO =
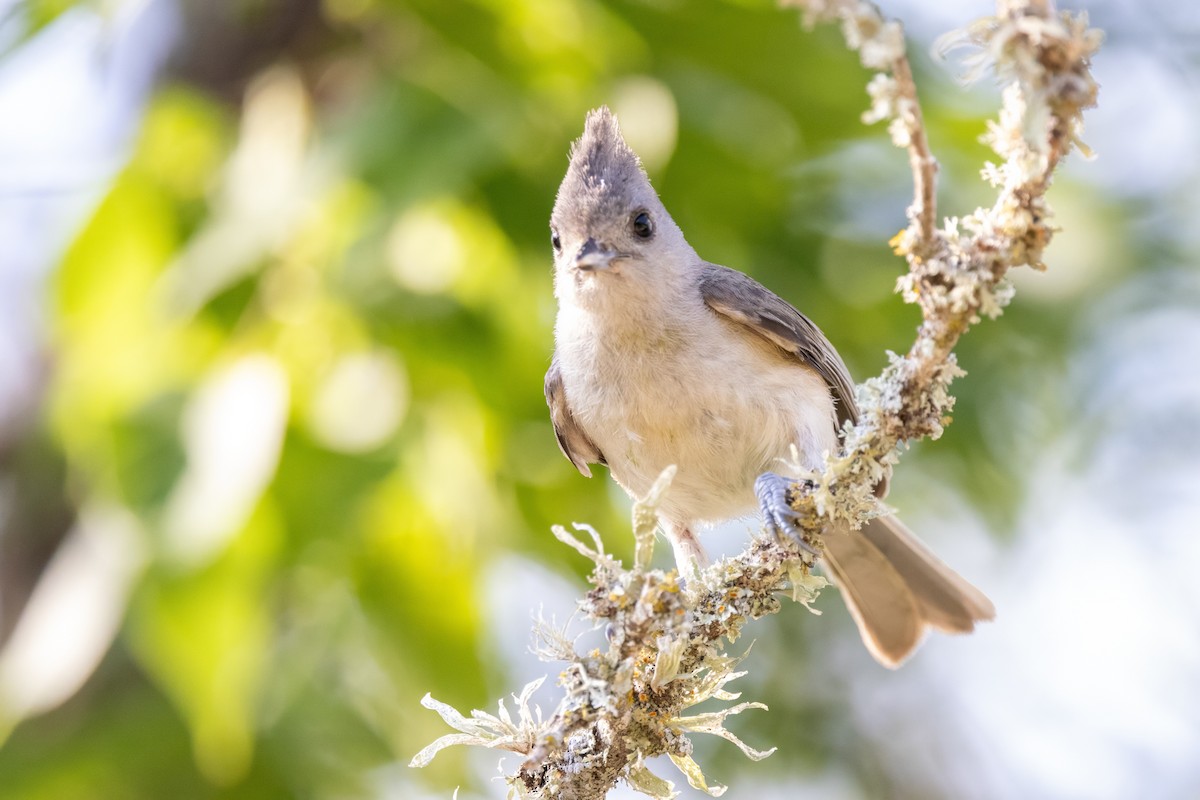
(366, 212)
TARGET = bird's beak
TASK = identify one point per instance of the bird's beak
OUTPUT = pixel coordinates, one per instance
(594, 257)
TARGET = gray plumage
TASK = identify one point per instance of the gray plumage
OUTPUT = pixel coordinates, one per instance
(573, 442)
(662, 358)
(746, 301)
(743, 300)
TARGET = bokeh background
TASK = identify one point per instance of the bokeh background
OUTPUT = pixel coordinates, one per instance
(275, 306)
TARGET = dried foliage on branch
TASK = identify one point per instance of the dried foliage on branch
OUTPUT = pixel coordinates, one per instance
(666, 642)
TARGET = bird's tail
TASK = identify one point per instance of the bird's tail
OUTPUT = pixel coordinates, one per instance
(895, 587)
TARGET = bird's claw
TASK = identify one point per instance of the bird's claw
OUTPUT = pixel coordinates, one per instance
(773, 493)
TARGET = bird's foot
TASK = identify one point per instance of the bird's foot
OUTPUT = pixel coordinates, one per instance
(774, 496)
(690, 558)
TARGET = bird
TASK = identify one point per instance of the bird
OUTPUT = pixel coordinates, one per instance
(662, 358)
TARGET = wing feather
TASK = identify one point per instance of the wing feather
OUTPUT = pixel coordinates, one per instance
(744, 300)
(574, 443)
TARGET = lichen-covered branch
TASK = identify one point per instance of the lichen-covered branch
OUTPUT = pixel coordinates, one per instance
(665, 652)
(956, 273)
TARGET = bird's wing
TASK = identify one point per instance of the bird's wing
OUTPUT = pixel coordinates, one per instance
(574, 443)
(744, 300)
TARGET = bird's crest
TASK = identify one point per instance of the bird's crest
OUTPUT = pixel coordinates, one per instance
(601, 155)
(605, 177)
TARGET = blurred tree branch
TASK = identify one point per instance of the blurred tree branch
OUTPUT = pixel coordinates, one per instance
(229, 43)
(665, 652)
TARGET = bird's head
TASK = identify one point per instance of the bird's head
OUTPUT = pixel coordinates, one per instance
(610, 232)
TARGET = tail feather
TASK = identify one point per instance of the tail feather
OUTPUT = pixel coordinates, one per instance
(884, 609)
(947, 601)
(895, 587)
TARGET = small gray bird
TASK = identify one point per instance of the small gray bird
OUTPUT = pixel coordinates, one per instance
(662, 358)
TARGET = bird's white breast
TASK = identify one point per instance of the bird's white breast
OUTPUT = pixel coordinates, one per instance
(700, 392)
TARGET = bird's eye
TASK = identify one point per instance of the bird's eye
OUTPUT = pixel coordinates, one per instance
(555, 241)
(642, 226)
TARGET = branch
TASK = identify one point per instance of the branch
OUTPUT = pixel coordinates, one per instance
(665, 655)
(666, 643)
(956, 273)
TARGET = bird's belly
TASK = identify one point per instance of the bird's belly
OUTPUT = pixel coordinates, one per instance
(711, 444)
(722, 426)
